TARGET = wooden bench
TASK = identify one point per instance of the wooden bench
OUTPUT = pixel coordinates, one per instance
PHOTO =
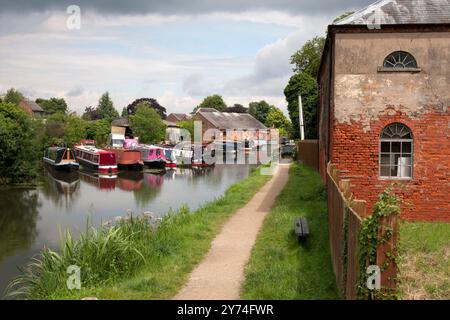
(301, 228)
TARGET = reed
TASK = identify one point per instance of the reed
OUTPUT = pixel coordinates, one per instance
(133, 257)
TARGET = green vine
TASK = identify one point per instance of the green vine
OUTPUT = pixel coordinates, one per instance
(344, 253)
(369, 240)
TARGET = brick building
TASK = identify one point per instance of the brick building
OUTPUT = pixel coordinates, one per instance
(31, 108)
(385, 104)
(230, 126)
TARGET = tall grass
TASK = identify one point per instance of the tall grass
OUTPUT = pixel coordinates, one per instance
(138, 257)
(103, 254)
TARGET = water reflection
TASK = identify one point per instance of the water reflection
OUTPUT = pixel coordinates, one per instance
(32, 219)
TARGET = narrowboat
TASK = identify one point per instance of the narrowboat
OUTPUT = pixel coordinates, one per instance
(157, 157)
(100, 160)
(199, 160)
(127, 159)
(61, 159)
(100, 181)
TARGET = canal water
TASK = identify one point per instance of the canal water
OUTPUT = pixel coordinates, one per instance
(33, 218)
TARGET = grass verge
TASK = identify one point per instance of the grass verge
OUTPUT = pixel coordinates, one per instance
(134, 259)
(280, 267)
(424, 260)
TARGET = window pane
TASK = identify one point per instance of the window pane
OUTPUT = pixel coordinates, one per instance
(385, 159)
(406, 147)
(384, 172)
(405, 171)
(396, 147)
(394, 171)
(385, 147)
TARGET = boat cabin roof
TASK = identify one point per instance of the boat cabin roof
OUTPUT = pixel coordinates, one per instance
(92, 149)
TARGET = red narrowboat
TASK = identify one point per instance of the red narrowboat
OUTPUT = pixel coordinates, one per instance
(103, 161)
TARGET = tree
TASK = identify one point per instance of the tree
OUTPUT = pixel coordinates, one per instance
(237, 108)
(18, 152)
(52, 105)
(13, 96)
(277, 119)
(106, 108)
(150, 103)
(215, 102)
(305, 85)
(74, 130)
(124, 112)
(259, 110)
(188, 125)
(147, 124)
(308, 58)
(98, 130)
(90, 114)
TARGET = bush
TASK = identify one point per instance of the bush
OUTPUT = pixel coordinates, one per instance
(18, 150)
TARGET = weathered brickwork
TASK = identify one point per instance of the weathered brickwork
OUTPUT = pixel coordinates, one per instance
(359, 99)
(427, 195)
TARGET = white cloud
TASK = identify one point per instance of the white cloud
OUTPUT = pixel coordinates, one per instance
(43, 59)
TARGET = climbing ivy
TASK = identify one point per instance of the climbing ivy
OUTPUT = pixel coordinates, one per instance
(369, 239)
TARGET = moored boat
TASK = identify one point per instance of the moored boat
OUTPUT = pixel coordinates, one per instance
(100, 160)
(61, 159)
(127, 159)
(157, 157)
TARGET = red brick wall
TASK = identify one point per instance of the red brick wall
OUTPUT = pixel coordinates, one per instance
(427, 196)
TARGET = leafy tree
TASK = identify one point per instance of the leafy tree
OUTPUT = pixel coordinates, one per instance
(277, 119)
(308, 58)
(147, 124)
(305, 85)
(74, 130)
(188, 125)
(106, 108)
(259, 110)
(124, 112)
(237, 108)
(52, 105)
(63, 129)
(215, 102)
(18, 152)
(13, 96)
(91, 114)
(98, 130)
(150, 103)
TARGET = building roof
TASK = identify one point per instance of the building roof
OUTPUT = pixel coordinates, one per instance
(180, 116)
(120, 122)
(32, 105)
(401, 12)
(225, 120)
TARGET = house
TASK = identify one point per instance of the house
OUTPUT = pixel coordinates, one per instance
(230, 126)
(385, 104)
(177, 117)
(31, 108)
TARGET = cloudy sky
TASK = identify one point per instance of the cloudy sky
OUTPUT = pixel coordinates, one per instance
(174, 50)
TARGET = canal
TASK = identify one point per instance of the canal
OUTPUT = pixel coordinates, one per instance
(33, 218)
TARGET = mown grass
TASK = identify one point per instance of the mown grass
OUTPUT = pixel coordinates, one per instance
(134, 258)
(424, 252)
(280, 267)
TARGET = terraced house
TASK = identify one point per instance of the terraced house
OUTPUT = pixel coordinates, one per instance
(385, 103)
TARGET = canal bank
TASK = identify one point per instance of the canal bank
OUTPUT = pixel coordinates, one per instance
(170, 252)
(33, 217)
(221, 273)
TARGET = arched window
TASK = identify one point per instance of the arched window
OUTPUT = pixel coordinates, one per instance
(396, 152)
(400, 60)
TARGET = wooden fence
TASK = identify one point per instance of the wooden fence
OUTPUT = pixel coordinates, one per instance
(308, 153)
(345, 215)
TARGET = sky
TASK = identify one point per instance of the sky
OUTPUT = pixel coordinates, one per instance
(175, 51)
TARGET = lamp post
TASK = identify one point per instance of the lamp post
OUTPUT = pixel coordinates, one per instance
(300, 116)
